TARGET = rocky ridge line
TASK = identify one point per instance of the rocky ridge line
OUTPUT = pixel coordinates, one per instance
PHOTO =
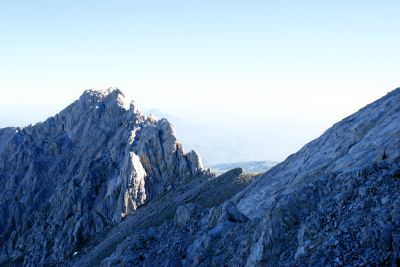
(81, 172)
(336, 202)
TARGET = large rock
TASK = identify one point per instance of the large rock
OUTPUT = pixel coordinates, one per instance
(81, 171)
(184, 213)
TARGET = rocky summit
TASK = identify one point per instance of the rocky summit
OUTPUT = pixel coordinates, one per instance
(100, 184)
(81, 172)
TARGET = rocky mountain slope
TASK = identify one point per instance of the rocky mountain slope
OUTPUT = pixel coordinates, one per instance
(81, 172)
(336, 202)
(178, 207)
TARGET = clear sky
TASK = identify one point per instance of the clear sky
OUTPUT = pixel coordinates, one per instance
(302, 64)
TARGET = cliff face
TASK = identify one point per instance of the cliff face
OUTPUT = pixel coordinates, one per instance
(336, 202)
(80, 172)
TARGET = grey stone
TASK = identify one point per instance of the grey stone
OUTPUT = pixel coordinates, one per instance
(183, 214)
(233, 214)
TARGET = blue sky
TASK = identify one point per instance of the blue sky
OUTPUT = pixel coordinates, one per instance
(304, 64)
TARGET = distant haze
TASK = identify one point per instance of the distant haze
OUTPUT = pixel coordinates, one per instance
(256, 79)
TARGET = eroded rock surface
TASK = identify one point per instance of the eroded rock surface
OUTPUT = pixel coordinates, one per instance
(81, 172)
(336, 202)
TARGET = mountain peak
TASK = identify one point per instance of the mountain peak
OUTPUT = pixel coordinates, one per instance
(112, 96)
(103, 92)
(86, 169)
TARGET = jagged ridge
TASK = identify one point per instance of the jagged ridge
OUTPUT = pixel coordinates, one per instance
(336, 202)
(81, 171)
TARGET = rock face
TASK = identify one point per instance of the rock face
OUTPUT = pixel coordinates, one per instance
(81, 172)
(332, 203)
(336, 202)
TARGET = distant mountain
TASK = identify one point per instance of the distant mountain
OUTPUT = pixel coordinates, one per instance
(221, 142)
(249, 166)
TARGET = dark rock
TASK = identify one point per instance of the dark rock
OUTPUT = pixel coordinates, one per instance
(233, 214)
